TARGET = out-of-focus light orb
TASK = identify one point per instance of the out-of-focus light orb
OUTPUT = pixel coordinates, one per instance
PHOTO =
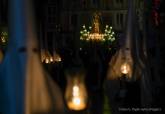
(76, 101)
(125, 68)
(3, 39)
(47, 60)
(51, 59)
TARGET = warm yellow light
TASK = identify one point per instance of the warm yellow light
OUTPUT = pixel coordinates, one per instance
(57, 57)
(125, 68)
(75, 91)
(46, 57)
(51, 59)
(96, 36)
(76, 94)
(3, 39)
(77, 102)
(47, 60)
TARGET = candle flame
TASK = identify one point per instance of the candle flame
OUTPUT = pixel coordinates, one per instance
(125, 68)
(75, 91)
(76, 101)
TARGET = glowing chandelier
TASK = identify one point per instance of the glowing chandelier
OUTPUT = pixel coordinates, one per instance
(94, 33)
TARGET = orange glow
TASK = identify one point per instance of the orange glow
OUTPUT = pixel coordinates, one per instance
(96, 36)
(76, 93)
(125, 68)
(77, 102)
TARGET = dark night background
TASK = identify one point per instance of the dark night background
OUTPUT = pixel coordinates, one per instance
(58, 24)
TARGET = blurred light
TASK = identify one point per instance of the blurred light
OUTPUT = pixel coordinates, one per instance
(57, 57)
(94, 33)
(125, 68)
(3, 39)
(51, 59)
(76, 94)
(46, 57)
(47, 60)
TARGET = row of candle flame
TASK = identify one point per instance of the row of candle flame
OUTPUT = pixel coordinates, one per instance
(47, 58)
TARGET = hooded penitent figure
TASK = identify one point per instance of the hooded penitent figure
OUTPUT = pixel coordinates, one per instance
(24, 86)
(125, 54)
(131, 59)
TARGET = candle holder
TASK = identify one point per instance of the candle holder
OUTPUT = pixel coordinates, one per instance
(76, 93)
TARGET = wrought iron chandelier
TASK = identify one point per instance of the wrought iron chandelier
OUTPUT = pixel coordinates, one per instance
(94, 33)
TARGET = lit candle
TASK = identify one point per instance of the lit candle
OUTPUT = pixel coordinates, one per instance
(76, 94)
(51, 59)
(77, 102)
(46, 60)
(59, 59)
(125, 68)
